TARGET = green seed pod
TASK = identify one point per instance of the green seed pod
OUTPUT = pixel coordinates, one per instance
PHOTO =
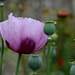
(72, 70)
(35, 62)
(49, 28)
(54, 37)
(52, 52)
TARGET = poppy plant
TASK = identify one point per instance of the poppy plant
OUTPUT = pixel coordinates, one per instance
(49, 29)
(23, 35)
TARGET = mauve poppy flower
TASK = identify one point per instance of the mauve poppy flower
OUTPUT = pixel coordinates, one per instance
(23, 35)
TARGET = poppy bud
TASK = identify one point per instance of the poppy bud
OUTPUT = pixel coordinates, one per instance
(54, 37)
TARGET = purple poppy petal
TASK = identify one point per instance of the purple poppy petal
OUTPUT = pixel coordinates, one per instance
(32, 29)
(41, 42)
(9, 31)
(1, 30)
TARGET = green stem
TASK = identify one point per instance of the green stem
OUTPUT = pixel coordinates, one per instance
(53, 48)
(51, 54)
(2, 50)
(18, 62)
(23, 64)
(34, 73)
(48, 57)
(2, 6)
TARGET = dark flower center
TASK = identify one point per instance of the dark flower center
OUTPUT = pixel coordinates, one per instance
(26, 46)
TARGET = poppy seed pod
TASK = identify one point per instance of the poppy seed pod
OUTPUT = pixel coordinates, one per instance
(49, 28)
(52, 52)
(23, 35)
(35, 62)
(72, 70)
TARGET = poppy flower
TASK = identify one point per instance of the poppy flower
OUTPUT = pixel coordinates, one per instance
(60, 62)
(23, 35)
(62, 14)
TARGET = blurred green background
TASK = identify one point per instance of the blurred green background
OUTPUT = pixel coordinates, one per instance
(62, 11)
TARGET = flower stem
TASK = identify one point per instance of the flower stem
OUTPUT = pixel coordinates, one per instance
(2, 50)
(18, 62)
(34, 73)
(48, 57)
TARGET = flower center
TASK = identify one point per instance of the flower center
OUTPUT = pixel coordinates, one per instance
(26, 46)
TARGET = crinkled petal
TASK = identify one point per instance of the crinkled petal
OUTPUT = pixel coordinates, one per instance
(32, 29)
(2, 29)
(41, 43)
(10, 33)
